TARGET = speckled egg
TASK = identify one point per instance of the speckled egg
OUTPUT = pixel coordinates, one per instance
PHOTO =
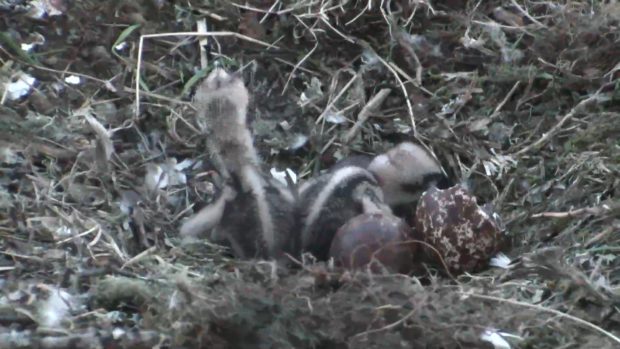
(463, 233)
(374, 237)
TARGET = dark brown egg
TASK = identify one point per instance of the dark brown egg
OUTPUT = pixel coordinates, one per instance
(463, 233)
(376, 239)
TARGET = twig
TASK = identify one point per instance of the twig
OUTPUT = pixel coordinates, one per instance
(77, 236)
(546, 310)
(595, 211)
(210, 14)
(388, 326)
(494, 24)
(106, 83)
(160, 97)
(303, 59)
(411, 79)
(526, 14)
(323, 16)
(601, 236)
(503, 102)
(355, 18)
(275, 3)
(368, 109)
(333, 101)
(557, 126)
(270, 11)
(294, 65)
(400, 38)
(140, 256)
(400, 82)
(201, 26)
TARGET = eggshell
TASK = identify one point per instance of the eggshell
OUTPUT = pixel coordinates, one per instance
(465, 235)
(373, 238)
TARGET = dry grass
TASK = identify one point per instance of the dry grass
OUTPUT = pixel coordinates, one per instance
(520, 98)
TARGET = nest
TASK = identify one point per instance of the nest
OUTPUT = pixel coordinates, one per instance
(518, 98)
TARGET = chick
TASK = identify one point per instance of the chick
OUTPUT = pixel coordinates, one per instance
(254, 212)
(327, 202)
(405, 171)
(222, 101)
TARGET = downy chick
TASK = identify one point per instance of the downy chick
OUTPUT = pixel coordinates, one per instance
(403, 172)
(327, 202)
(221, 101)
(254, 212)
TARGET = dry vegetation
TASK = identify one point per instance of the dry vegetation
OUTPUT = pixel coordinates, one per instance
(519, 97)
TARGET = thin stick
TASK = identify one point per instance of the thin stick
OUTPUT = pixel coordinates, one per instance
(331, 104)
(161, 97)
(409, 48)
(411, 80)
(368, 109)
(503, 102)
(140, 256)
(201, 26)
(546, 310)
(557, 126)
(270, 11)
(400, 82)
(275, 3)
(595, 211)
(526, 14)
(298, 65)
(388, 326)
(335, 30)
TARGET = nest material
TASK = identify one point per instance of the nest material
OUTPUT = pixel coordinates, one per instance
(520, 99)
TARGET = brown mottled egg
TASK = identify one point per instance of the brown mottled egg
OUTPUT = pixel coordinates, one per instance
(374, 237)
(465, 234)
